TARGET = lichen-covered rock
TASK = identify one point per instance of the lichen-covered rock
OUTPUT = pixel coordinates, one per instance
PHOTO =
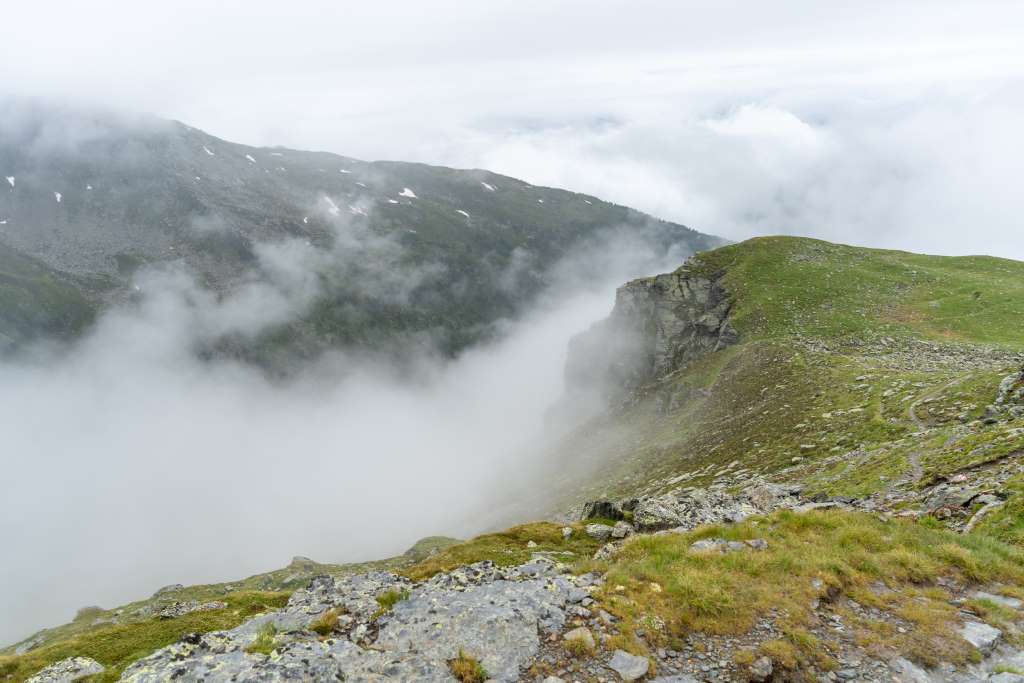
(179, 609)
(622, 530)
(686, 509)
(599, 532)
(67, 670)
(499, 622)
(219, 657)
(652, 514)
(496, 614)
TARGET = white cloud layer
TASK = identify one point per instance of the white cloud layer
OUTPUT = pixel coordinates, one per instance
(888, 124)
(133, 464)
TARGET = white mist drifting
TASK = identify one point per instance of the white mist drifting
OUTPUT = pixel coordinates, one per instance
(136, 465)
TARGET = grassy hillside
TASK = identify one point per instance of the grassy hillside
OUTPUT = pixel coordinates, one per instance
(787, 286)
(855, 367)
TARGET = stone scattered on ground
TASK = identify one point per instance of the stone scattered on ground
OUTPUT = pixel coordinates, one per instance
(179, 609)
(498, 615)
(67, 670)
(687, 508)
(722, 545)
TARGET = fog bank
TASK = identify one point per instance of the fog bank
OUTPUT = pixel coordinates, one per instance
(137, 465)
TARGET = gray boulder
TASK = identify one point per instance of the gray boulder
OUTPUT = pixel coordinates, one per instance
(179, 609)
(652, 514)
(629, 667)
(622, 530)
(761, 669)
(1011, 603)
(602, 509)
(981, 635)
(599, 532)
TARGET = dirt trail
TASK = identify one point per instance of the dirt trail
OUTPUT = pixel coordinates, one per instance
(916, 470)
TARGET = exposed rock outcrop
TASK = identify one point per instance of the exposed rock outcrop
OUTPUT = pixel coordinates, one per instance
(67, 671)
(180, 609)
(497, 615)
(659, 325)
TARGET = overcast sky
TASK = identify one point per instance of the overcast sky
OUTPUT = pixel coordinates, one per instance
(889, 124)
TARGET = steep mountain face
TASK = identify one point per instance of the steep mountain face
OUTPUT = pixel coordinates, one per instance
(658, 325)
(395, 248)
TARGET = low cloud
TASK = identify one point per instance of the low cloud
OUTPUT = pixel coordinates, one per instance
(136, 464)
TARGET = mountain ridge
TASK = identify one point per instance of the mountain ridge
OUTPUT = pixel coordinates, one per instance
(396, 248)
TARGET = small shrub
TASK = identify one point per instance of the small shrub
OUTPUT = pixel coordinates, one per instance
(326, 624)
(388, 599)
(578, 648)
(265, 641)
(467, 669)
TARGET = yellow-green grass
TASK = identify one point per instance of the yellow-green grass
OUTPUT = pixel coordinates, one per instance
(265, 641)
(1007, 522)
(508, 548)
(388, 599)
(467, 669)
(117, 646)
(787, 285)
(659, 584)
(325, 624)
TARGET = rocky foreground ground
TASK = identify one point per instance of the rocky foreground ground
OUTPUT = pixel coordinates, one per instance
(540, 622)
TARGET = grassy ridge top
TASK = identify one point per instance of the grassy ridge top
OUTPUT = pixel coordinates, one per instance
(786, 285)
(841, 350)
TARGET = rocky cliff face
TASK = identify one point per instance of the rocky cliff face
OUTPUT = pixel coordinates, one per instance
(658, 326)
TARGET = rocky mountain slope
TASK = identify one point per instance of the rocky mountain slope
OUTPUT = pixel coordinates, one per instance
(396, 249)
(850, 368)
(810, 469)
